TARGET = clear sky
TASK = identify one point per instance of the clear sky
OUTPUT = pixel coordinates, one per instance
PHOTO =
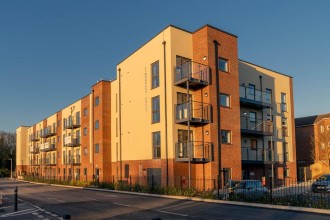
(51, 52)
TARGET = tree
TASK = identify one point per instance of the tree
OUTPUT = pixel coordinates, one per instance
(7, 149)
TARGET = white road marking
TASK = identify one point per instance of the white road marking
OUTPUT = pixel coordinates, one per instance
(172, 213)
(57, 200)
(22, 212)
(121, 204)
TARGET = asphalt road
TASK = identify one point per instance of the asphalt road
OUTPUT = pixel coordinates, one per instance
(38, 201)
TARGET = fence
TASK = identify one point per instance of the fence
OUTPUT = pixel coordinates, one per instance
(278, 192)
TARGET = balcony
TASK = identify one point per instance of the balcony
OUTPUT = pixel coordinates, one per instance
(49, 161)
(34, 150)
(256, 156)
(194, 151)
(45, 147)
(34, 137)
(72, 141)
(34, 162)
(72, 123)
(197, 113)
(72, 160)
(198, 75)
(49, 132)
(254, 98)
(256, 127)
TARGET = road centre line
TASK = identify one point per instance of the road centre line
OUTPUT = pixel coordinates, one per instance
(121, 204)
(172, 213)
(58, 200)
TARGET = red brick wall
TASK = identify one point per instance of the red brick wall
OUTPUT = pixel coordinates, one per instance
(203, 45)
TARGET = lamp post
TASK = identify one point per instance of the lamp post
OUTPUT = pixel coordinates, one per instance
(11, 168)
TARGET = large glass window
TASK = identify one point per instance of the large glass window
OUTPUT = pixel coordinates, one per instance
(156, 144)
(97, 101)
(155, 110)
(97, 148)
(283, 102)
(155, 75)
(223, 64)
(97, 124)
(226, 136)
(224, 100)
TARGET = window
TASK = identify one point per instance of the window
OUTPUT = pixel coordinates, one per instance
(328, 127)
(286, 172)
(155, 75)
(223, 64)
(254, 144)
(322, 128)
(155, 109)
(269, 117)
(283, 102)
(97, 148)
(251, 91)
(97, 125)
(85, 112)
(268, 96)
(85, 171)
(226, 136)
(224, 100)
(85, 131)
(253, 117)
(156, 144)
(85, 151)
(284, 122)
(97, 101)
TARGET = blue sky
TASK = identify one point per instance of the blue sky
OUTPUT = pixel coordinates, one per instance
(51, 52)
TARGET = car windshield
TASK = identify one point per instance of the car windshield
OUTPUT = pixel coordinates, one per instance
(325, 177)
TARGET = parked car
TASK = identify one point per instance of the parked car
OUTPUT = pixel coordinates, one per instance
(227, 189)
(250, 188)
(322, 184)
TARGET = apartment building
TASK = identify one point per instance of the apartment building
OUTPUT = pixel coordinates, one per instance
(184, 111)
(313, 146)
(267, 124)
(73, 143)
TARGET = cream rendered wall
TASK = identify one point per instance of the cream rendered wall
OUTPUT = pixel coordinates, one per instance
(66, 112)
(136, 95)
(249, 73)
(22, 148)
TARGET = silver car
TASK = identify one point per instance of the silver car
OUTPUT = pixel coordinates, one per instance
(251, 188)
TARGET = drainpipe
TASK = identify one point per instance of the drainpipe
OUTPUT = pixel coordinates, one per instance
(166, 141)
(120, 133)
(217, 83)
(92, 127)
(262, 121)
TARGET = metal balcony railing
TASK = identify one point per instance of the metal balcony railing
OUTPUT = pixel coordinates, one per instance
(34, 137)
(72, 160)
(34, 162)
(34, 150)
(49, 161)
(252, 126)
(194, 151)
(197, 74)
(254, 97)
(71, 141)
(48, 132)
(194, 112)
(72, 122)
